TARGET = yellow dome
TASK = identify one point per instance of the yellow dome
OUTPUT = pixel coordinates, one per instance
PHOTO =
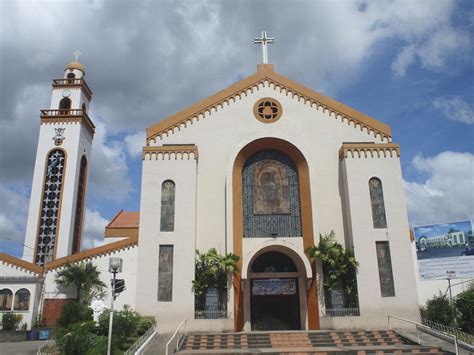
(75, 65)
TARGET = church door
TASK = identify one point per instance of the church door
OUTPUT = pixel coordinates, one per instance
(274, 293)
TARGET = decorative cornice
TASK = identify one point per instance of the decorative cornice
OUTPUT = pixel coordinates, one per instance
(67, 116)
(74, 83)
(20, 264)
(94, 252)
(170, 152)
(266, 76)
(369, 150)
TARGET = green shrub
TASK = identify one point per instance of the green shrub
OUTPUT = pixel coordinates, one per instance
(10, 321)
(465, 310)
(125, 324)
(80, 339)
(438, 309)
(145, 323)
(74, 312)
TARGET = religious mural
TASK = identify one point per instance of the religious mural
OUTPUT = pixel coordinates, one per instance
(271, 188)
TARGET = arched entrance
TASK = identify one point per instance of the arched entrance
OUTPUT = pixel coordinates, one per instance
(274, 292)
(271, 202)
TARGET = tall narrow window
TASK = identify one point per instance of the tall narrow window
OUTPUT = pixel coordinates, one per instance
(6, 297)
(384, 261)
(167, 206)
(81, 189)
(165, 273)
(49, 213)
(22, 300)
(377, 203)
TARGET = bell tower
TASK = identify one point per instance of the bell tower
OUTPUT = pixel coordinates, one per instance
(57, 203)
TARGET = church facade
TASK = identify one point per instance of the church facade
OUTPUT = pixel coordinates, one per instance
(260, 169)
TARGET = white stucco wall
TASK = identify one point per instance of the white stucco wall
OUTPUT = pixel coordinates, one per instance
(373, 307)
(183, 239)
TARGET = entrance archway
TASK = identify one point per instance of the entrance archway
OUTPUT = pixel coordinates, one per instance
(274, 293)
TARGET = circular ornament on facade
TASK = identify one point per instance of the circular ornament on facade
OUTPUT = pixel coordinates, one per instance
(267, 110)
(66, 93)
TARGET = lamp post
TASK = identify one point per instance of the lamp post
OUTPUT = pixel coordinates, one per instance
(115, 266)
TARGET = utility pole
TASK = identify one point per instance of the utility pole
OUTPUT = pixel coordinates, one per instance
(115, 266)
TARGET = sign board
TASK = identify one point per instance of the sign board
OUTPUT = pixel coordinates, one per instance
(274, 287)
(445, 251)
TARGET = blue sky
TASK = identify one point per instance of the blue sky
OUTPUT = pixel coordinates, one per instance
(406, 63)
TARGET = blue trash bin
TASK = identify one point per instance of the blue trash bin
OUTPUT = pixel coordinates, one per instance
(43, 335)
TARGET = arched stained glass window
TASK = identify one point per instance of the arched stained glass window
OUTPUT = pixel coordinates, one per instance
(167, 206)
(22, 300)
(76, 243)
(377, 203)
(49, 213)
(270, 196)
(6, 297)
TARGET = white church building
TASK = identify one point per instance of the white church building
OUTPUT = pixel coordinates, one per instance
(260, 169)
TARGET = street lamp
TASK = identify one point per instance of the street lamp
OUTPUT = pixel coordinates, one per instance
(115, 266)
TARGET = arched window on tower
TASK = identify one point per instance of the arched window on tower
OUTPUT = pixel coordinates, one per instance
(49, 213)
(167, 206)
(22, 300)
(65, 103)
(71, 76)
(81, 189)
(6, 297)
(377, 203)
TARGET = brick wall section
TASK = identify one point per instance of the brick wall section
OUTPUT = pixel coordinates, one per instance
(52, 310)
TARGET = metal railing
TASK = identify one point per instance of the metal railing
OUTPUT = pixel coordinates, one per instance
(342, 312)
(68, 82)
(422, 326)
(141, 344)
(63, 112)
(179, 334)
(460, 335)
(210, 314)
(49, 347)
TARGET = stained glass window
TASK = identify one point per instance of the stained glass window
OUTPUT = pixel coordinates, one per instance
(387, 286)
(49, 214)
(6, 297)
(377, 202)
(270, 196)
(165, 273)
(22, 300)
(167, 206)
(76, 244)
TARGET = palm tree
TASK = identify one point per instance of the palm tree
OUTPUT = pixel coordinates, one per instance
(84, 278)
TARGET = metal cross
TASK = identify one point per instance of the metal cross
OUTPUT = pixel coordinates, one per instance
(77, 54)
(263, 41)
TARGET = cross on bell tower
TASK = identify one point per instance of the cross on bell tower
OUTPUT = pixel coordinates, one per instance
(264, 40)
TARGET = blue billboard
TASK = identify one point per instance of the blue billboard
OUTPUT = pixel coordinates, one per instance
(445, 250)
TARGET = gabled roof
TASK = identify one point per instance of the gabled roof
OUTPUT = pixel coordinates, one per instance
(124, 224)
(20, 263)
(266, 73)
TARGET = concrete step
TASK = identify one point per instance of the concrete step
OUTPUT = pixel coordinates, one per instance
(303, 342)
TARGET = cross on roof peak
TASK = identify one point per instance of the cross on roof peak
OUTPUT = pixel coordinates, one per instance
(76, 54)
(264, 40)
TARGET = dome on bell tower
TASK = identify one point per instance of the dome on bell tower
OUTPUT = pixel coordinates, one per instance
(75, 65)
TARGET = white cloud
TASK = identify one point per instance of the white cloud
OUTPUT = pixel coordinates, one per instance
(109, 177)
(135, 143)
(447, 194)
(455, 109)
(13, 214)
(94, 226)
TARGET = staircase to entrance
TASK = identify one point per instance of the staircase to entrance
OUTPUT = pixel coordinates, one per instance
(303, 342)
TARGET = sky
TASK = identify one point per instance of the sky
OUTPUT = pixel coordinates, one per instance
(407, 63)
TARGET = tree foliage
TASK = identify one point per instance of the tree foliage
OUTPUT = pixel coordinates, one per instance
(126, 323)
(84, 278)
(465, 309)
(73, 312)
(439, 310)
(212, 270)
(339, 264)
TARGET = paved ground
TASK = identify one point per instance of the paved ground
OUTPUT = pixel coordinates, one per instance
(20, 347)
(158, 344)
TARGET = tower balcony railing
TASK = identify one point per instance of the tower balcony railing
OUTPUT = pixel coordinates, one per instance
(48, 116)
(73, 82)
